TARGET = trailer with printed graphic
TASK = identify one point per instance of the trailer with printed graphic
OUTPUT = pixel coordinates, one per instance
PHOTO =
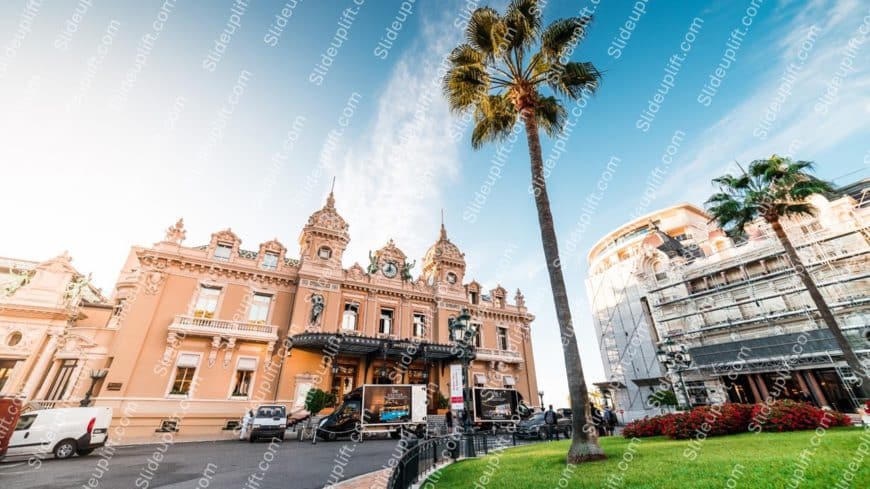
(378, 408)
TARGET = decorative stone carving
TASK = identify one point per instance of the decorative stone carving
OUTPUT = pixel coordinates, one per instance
(152, 281)
(176, 233)
(520, 299)
(270, 348)
(215, 346)
(228, 353)
(356, 272)
(171, 342)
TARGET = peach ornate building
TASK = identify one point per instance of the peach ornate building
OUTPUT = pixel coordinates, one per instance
(197, 335)
(52, 330)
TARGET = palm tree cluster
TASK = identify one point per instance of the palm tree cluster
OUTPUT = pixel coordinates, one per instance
(512, 69)
(773, 190)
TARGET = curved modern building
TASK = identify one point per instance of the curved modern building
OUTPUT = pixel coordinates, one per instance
(739, 317)
(620, 310)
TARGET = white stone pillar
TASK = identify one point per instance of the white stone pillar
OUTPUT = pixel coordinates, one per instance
(38, 370)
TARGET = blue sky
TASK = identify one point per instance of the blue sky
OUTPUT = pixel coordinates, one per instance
(94, 179)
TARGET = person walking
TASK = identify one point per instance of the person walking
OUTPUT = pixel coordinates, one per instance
(609, 420)
(448, 418)
(246, 422)
(550, 422)
(597, 419)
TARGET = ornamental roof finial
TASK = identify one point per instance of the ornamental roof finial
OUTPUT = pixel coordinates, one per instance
(443, 229)
(330, 200)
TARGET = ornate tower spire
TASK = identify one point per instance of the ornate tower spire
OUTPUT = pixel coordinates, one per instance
(330, 200)
(443, 261)
(325, 235)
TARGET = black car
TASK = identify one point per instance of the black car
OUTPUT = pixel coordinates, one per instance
(535, 427)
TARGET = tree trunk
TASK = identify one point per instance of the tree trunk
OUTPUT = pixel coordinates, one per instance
(584, 439)
(824, 310)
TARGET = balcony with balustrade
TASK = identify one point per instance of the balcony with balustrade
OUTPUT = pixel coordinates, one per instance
(242, 330)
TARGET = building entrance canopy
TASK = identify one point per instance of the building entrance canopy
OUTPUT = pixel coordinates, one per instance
(339, 344)
(798, 348)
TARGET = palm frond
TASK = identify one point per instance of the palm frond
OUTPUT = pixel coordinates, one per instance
(523, 22)
(465, 55)
(573, 78)
(801, 190)
(494, 119)
(561, 34)
(551, 115)
(465, 86)
(486, 31)
(771, 189)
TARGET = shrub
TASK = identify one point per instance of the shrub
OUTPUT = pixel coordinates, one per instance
(723, 419)
(788, 415)
(727, 419)
(316, 400)
(654, 426)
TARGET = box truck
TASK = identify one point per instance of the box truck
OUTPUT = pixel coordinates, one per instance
(378, 408)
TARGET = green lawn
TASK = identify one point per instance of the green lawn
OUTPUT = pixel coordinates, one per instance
(748, 460)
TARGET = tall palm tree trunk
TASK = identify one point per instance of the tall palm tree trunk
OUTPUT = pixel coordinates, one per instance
(824, 310)
(584, 439)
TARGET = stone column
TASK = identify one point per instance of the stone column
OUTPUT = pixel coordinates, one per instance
(801, 383)
(817, 391)
(38, 370)
(755, 394)
(762, 386)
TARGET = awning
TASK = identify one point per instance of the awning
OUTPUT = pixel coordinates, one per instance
(509, 380)
(248, 364)
(188, 360)
(344, 344)
(479, 379)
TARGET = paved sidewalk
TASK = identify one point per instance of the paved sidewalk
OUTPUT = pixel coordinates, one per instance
(372, 480)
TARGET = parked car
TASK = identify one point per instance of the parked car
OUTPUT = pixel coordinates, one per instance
(565, 412)
(63, 432)
(535, 427)
(270, 421)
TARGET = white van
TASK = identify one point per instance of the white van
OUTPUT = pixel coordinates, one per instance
(62, 432)
(270, 421)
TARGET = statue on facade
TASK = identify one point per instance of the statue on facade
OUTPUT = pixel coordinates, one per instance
(20, 278)
(406, 270)
(373, 263)
(316, 308)
(76, 289)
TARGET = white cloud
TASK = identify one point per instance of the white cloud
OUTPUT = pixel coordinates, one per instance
(391, 178)
(731, 138)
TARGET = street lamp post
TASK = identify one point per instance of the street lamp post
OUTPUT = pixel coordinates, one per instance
(541, 395)
(462, 332)
(678, 359)
(95, 376)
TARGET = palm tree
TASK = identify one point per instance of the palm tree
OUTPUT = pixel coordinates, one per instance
(501, 74)
(775, 189)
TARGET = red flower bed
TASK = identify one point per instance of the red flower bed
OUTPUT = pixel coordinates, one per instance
(654, 426)
(723, 419)
(730, 418)
(791, 416)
